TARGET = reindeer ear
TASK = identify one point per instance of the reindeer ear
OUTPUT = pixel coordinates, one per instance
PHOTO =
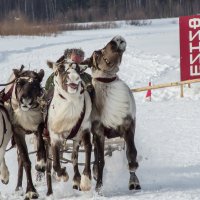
(52, 65)
(16, 72)
(87, 62)
(41, 74)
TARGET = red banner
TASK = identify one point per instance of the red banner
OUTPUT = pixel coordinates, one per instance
(189, 47)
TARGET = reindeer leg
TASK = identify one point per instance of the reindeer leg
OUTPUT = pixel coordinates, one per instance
(20, 173)
(4, 173)
(48, 171)
(131, 153)
(86, 175)
(23, 152)
(95, 165)
(99, 139)
(77, 176)
(41, 152)
(61, 172)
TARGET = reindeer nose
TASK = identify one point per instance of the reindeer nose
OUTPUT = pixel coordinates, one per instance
(26, 100)
(74, 77)
(121, 42)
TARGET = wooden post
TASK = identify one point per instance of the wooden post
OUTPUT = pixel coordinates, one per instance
(182, 95)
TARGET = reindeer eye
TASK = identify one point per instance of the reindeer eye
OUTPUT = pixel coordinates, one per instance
(21, 82)
(61, 68)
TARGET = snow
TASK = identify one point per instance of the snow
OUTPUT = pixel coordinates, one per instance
(167, 133)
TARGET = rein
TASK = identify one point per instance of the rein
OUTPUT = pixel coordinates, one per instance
(7, 95)
(6, 84)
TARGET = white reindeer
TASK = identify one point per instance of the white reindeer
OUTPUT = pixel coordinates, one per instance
(114, 109)
(6, 133)
(69, 118)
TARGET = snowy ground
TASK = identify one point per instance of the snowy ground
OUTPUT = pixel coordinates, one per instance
(167, 134)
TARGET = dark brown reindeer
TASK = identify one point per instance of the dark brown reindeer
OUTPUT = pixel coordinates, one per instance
(27, 119)
(69, 118)
(114, 110)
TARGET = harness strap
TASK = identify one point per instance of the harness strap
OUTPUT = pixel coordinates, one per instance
(82, 90)
(106, 80)
(46, 131)
(60, 95)
(76, 128)
(8, 95)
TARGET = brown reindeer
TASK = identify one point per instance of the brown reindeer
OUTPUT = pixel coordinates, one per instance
(27, 119)
(114, 110)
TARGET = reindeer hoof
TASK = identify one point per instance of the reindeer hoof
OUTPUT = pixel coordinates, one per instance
(76, 181)
(134, 182)
(76, 187)
(134, 187)
(40, 165)
(85, 184)
(98, 188)
(19, 191)
(5, 182)
(63, 175)
(4, 176)
(31, 195)
(49, 195)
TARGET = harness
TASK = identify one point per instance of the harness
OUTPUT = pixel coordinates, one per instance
(95, 65)
(77, 126)
(106, 80)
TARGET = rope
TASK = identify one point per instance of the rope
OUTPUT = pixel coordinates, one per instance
(5, 84)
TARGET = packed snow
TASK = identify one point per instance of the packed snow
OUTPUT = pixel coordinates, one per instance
(167, 133)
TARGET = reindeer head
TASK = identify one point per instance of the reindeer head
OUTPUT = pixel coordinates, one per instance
(108, 58)
(28, 88)
(66, 76)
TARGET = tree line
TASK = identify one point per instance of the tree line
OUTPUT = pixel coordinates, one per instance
(95, 10)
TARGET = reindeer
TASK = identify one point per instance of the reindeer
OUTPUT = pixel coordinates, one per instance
(6, 133)
(114, 110)
(27, 118)
(69, 118)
